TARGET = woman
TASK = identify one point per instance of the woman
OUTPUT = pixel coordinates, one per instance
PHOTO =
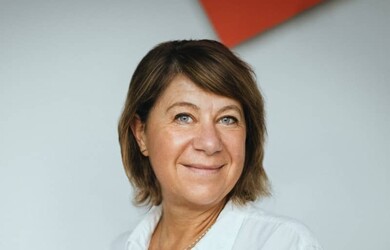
(192, 141)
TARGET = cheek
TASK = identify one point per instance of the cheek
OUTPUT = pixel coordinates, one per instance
(165, 146)
(235, 144)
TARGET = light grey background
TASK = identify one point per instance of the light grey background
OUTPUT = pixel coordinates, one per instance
(64, 73)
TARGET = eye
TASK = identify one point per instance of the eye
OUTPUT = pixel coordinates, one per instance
(228, 120)
(183, 118)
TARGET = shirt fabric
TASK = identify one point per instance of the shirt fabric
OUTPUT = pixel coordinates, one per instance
(237, 227)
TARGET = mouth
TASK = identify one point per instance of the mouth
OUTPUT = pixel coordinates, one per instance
(204, 169)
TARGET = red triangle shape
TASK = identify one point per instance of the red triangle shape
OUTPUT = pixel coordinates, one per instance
(238, 20)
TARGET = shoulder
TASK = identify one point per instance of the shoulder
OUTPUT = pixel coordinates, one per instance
(269, 231)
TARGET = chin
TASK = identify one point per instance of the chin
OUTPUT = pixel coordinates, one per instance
(203, 199)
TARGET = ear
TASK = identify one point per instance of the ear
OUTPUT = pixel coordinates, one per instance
(138, 129)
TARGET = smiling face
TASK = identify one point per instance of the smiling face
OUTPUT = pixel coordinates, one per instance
(195, 141)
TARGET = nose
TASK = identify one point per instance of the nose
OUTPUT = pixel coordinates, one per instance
(208, 139)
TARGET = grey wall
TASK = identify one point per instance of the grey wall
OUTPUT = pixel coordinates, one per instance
(64, 73)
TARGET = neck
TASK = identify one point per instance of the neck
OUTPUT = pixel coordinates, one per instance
(180, 226)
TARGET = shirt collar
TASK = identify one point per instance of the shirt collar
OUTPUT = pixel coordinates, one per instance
(142, 234)
(223, 233)
(220, 236)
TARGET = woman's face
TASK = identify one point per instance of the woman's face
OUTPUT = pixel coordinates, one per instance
(195, 141)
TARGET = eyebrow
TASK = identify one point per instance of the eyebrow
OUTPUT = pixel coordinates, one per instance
(182, 104)
(231, 107)
(194, 107)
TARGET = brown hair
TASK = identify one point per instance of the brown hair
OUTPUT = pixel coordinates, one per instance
(212, 67)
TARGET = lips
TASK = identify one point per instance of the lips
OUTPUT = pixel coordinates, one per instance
(204, 169)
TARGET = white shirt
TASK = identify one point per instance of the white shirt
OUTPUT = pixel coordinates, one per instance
(237, 227)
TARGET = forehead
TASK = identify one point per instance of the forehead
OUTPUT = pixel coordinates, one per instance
(182, 89)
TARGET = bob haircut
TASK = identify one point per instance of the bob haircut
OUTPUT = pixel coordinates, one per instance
(213, 68)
